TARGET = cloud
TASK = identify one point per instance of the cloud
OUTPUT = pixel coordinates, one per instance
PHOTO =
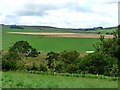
(10, 19)
(60, 13)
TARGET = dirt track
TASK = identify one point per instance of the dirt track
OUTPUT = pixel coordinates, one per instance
(76, 35)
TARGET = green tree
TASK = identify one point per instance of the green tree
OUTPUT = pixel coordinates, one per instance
(108, 46)
(33, 53)
(23, 48)
(20, 47)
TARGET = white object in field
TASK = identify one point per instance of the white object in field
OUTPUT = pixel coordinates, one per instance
(89, 52)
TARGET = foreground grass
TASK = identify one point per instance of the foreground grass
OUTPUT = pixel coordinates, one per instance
(28, 80)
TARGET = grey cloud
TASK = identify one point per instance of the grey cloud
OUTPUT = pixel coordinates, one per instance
(11, 19)
(34, 9)
(33, 12)
(84, 9)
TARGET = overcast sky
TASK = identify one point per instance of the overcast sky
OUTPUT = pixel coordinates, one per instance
(60, 13)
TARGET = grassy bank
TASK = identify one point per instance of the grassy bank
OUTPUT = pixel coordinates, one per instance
(25, 80)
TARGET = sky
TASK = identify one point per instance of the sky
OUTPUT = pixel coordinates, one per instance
(60, 13)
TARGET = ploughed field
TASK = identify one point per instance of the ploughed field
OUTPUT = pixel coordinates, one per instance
(73, 35)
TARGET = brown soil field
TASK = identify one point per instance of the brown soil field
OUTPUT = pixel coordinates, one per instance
(74, 35)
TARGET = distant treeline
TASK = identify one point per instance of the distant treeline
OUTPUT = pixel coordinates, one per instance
(39, 27)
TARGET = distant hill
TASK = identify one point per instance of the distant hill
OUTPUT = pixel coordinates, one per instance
(50, 27)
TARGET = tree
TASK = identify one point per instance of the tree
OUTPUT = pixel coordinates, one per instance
(23, 48)
(108, 46)
(33, 53)
(20, 47)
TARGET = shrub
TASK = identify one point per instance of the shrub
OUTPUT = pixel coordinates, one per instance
(9, 61)
(69, 56)
(11, 56)
(72, 68)
(34, 67)
(60, 67)
(52, 57)
(8, 65)
(114, 72)
(42, 68)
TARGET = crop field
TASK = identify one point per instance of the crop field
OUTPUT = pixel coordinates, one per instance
(104, 31)
(27, 80)
(71, 35)
(46, 44)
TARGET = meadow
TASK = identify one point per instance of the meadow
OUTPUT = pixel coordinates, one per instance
(46, 44)
(28, 80)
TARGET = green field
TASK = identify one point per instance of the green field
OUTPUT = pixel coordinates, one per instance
(46, 44)
(104, 31)
(62, 30)
(27, 80)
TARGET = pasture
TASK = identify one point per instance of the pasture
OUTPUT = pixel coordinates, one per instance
(27, 80)
(46, 44)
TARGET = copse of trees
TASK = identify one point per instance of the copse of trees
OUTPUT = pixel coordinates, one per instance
(16, 27)
(15, 53)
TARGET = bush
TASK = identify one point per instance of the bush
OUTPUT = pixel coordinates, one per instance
(111, 67)
(8, 65)
(72, 68)
(12, 56)
(34, 67)
(97, 63)
(69, 56)
(42, 68)
(60, 67)
(9, 61)
(51, 58)
(114, 72)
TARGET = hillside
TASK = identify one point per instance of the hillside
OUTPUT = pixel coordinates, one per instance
(95, 30)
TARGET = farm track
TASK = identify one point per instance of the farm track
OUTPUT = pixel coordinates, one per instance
(74, 35)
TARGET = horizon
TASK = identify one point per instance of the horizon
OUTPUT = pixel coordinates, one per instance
(59, 27)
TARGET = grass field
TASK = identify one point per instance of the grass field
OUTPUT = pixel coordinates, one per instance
(46, 44)
(27, 80)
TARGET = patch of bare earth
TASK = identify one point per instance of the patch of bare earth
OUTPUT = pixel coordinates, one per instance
(74, 35)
